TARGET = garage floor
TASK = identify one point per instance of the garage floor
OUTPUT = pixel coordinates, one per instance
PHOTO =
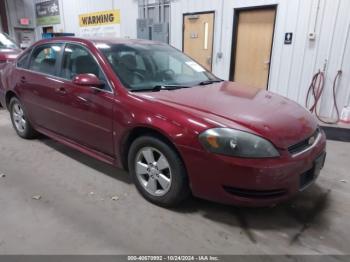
(76, 214)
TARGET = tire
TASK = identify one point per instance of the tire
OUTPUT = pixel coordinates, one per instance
(20, 121)
(171, 185)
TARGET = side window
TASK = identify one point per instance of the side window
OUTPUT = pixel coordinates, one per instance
(77, 60)
(22, 62)
(44, 58)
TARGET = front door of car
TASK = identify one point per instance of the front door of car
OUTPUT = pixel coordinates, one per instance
(87, 110)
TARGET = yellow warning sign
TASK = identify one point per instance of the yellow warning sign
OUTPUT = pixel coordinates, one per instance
(100, 18)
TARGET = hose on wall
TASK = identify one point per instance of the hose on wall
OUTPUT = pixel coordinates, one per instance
(316, 89)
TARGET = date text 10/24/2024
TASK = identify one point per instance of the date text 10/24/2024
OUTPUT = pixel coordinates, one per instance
(173, 258)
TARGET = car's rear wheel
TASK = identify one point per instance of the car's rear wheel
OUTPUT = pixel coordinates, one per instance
(19, 120)
(158, 171)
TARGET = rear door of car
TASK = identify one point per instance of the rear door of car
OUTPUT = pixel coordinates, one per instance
(87, 111)
(40, 88)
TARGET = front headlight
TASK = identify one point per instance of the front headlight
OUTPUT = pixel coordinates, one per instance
(238, 143)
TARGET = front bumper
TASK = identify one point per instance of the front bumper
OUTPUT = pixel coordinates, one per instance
(252, 182)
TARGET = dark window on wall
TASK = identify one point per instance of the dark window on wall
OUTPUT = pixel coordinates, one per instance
(48, 29)
(3, 18)
(154, 20)
(151, 12)
(167, 13)
(158, 11)
(1, 30)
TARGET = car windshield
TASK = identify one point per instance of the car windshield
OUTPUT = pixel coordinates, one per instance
(6, 42)
(143, 67)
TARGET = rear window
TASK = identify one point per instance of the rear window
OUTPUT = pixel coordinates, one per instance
(45, 58)
(22, 61)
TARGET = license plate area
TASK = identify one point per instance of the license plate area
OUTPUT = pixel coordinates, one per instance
(310, 176)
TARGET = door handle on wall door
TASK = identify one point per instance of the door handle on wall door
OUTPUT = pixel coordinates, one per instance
(209, 60)
(266, 65)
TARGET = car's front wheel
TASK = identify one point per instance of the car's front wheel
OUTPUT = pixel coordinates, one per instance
(20, 120)
(158, 171)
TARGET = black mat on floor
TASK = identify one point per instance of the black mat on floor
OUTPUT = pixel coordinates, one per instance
(337, 133)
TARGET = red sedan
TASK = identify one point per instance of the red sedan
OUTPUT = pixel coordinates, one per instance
(8, 50)
(177, 128)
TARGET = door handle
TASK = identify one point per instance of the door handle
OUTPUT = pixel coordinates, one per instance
(83, 100)
(209, 60)
(23, 79)
(61, 90)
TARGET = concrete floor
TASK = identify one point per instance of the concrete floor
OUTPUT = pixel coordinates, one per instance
(77, 216)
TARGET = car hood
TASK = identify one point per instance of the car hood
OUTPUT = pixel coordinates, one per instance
(274, 117)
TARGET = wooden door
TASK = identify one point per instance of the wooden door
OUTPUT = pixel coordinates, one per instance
(253, 46)
(198, 38)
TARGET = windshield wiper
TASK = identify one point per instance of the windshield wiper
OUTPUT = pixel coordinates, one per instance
(209, 82)
(158, 88)
(168, 87)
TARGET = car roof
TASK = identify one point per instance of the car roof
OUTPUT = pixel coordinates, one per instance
(97, 40)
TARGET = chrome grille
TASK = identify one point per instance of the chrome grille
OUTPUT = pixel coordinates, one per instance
(248, 193)
(303, 145)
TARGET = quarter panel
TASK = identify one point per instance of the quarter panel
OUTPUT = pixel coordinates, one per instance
(132, 112)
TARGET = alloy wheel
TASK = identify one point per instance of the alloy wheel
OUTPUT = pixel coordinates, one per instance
(19, 117)
(153, 171)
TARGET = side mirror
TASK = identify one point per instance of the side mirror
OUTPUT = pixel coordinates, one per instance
(87, 80)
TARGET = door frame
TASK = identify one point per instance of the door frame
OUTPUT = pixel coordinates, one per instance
(236, 12)
(183, 31)
(4, 18)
